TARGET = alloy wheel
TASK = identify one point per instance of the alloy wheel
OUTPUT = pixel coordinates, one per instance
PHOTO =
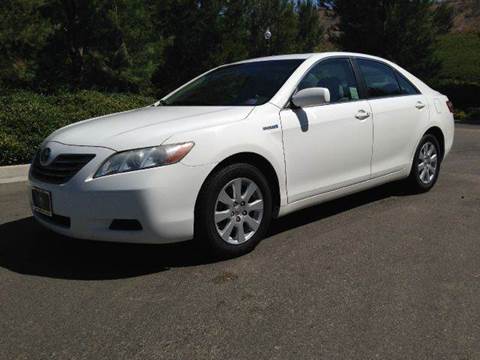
(427, 163)
(238, 211)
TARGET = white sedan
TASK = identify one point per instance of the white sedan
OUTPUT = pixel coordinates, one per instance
(221, 156)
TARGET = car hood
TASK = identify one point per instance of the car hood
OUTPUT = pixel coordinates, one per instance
(149, 126)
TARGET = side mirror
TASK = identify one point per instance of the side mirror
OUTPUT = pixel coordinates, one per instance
(311, 97)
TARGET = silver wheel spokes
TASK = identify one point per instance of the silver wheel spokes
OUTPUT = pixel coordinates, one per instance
(238, 211)
(428, 161)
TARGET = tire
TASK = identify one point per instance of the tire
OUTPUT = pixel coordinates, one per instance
(220, 210)
(425, 171)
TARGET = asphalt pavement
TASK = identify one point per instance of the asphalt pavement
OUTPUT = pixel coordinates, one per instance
(383, 274)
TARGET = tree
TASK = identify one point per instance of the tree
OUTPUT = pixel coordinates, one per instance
(23, 33)
(443, 18)
(310, 30)
(204, 34)
(103, 44)
(474, 6)
(277, 16)
(402, 31)
(194, 29)
(126, 45)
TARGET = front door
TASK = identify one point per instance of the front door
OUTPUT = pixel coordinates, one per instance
(330, 146)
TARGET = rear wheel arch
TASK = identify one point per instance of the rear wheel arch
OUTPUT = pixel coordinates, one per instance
(426, 163)
(438, 134)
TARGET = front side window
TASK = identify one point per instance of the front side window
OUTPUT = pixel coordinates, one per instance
(379, 78)
(247, 84)
(337, 76)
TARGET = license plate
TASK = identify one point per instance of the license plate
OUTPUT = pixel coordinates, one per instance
(42, 201)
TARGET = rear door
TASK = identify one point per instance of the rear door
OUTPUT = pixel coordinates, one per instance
(399, 109)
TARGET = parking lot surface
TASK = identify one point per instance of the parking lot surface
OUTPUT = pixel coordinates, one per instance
(383, 274)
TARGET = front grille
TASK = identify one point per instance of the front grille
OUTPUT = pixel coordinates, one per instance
(62, 169)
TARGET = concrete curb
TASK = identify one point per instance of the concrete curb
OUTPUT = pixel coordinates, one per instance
(15, 173)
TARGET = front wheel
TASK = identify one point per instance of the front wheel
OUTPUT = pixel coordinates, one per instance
(426, 164)
(234, 210)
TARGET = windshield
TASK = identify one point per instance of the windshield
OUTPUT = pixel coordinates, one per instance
(246, 84)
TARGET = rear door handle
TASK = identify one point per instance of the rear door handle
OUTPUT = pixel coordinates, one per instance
(420, 105)
(362, 115)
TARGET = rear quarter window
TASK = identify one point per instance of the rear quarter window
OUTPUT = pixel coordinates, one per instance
(406, 87)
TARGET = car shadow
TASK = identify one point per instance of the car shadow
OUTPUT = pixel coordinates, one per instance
(28, 248)
(302, 119)
(333, 207)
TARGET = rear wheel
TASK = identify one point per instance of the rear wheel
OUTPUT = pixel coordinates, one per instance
(234, 210)
(426, 164)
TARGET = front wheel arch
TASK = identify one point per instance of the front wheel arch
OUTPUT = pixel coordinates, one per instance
(254, 159)
(207, 231)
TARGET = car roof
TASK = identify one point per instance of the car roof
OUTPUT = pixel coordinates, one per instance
(308, 56)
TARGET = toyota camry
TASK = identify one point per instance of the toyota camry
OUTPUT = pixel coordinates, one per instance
(217, 159)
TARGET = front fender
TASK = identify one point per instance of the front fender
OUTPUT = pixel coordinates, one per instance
(260, 134)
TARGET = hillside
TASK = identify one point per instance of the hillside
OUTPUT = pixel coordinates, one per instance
(458, 52)
(466, 15)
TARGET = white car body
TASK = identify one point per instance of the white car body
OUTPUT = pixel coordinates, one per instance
(330, 156)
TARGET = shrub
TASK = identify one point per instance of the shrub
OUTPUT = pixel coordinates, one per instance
(474, 115)
(458, 53)
(463, 94)
(27, 118)
(459, 77)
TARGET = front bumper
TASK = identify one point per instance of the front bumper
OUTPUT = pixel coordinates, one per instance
(161, 199)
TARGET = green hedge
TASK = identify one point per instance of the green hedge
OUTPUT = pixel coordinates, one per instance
(459, 77)
(27, 118)
(459, 54)
(463, 94)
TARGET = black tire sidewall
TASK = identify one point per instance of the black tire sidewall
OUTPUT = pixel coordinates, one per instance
(414, 174)
(206, 227)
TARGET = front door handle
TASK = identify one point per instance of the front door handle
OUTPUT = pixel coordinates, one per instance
(362, 115)
(420, 105)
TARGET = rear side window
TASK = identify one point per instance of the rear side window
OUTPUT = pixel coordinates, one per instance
(406, 87)
(379, 78)
(337, 76)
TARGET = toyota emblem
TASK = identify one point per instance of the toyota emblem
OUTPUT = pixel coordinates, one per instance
(45, 156)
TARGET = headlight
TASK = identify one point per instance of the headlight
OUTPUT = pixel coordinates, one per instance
(132, 160)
